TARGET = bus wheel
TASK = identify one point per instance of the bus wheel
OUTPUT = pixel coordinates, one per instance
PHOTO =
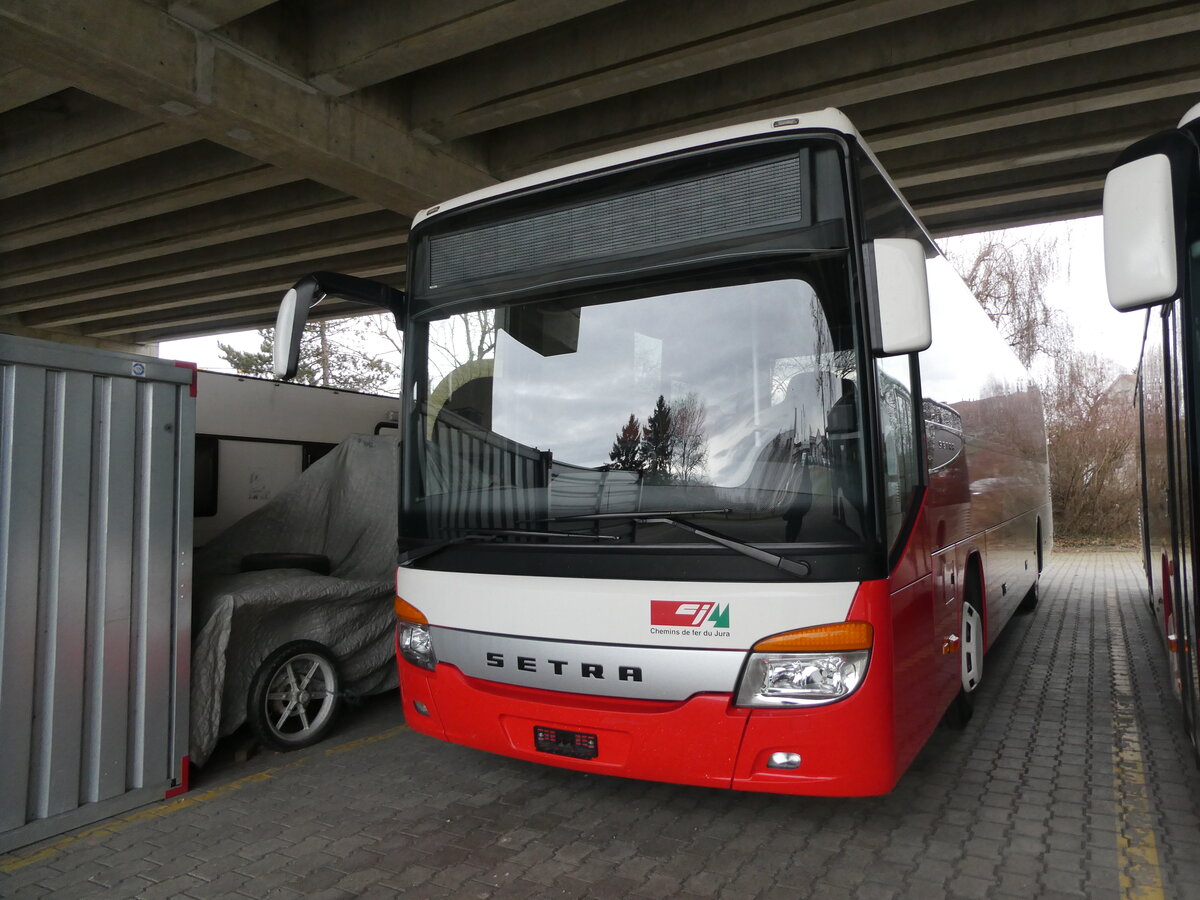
(971, 659)
(293, 699)
(1030, 601)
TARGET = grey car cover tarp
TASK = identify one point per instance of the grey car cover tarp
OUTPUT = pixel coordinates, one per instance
(344, 507)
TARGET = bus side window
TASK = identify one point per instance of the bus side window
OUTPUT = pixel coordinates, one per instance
(901, 466)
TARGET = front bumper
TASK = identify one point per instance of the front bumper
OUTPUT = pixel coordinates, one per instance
(847, 748)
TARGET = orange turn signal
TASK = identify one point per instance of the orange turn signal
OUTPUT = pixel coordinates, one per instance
(831, 638)
(406, 612)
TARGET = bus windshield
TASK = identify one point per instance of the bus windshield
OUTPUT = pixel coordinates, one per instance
(735, 406)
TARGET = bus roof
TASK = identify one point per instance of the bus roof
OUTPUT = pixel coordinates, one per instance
(826, 119)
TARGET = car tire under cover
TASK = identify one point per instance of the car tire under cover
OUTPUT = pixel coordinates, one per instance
(294, 698)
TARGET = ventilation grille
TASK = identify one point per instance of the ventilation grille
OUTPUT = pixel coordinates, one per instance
(694, 210)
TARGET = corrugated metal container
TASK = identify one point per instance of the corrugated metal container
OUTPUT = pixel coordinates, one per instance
(96, 455)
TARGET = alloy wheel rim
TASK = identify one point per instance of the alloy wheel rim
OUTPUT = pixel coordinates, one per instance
(300, 697)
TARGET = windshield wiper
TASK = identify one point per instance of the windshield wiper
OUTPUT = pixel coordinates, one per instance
(795, 568)
(485, 535)
(594, 517)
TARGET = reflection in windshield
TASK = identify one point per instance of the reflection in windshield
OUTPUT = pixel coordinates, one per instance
(740, 398)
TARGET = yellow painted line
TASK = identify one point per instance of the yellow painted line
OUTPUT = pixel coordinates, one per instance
(13, 862)
(1137, 849)
(362, 742)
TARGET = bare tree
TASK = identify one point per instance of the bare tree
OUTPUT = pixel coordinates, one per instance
(462, 339)
(1091, 421)
(1009, 276)
(383, 326)
(689, 422)
(1092, 425)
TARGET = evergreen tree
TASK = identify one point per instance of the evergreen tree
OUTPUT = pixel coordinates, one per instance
(257, 364)
(626, 450)
(658, 440)
(332, 354)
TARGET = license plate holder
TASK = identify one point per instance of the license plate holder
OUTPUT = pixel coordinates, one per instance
(575, 744)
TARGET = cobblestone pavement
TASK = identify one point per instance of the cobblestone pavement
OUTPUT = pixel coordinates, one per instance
(1072, 780)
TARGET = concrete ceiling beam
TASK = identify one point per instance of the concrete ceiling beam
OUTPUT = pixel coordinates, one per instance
(208, 15)
(71, 336)
(1097, 136)
(71, 135)
(1008, 161)
(19, 86)
(189, 176)
(242, 315)
(228, 221)
(1085, 167)
(32, 173)
(1027, 97)
(378, 230)
(906, 57)
(984, 113)
(1005, 216)
(613, 53)
(1133, 94)
(1025, 194)
(270, 283)
(137, 56)
(372, 41)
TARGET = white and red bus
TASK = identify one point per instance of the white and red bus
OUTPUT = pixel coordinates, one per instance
(715, 472)
(1152, 262)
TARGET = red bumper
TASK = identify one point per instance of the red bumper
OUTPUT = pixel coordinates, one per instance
(847, 748)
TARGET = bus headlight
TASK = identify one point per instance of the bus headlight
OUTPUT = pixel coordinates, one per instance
(807, 667)
(416, 645)
(801, 679)
(413, 637)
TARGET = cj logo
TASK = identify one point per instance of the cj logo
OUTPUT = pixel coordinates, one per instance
(688, 615)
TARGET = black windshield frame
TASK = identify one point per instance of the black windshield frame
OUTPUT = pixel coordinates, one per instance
(731, 262)
(820, 157)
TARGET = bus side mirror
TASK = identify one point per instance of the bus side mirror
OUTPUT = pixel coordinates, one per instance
(289, 327)
(898, 280)
(311, 290)
(1141, 264)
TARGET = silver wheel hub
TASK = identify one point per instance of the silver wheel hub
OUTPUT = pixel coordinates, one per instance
(300, 697)
(971, 654)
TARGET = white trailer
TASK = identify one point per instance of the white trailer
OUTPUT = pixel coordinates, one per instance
(254, 437)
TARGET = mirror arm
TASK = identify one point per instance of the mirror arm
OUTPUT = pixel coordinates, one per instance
(311, 290)
(360, 290)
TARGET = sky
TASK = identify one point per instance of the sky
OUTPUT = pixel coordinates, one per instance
(1078, 290)
(204, 350)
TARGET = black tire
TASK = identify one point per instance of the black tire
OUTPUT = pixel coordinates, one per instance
(294, 698)
(1030, 601)
(970, 664)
